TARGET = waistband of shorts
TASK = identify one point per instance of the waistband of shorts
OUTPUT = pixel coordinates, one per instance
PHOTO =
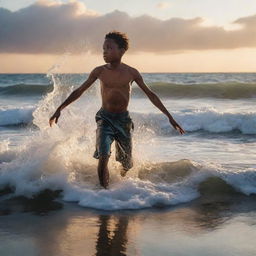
(114, 115)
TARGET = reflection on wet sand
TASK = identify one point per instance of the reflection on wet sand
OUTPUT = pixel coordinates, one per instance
(82, 232)
(112, 239)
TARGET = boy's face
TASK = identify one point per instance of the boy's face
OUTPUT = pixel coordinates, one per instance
(111, 51)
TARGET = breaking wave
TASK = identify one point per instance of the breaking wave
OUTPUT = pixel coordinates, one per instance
(147, 185)
(16, 116)
(208, 120)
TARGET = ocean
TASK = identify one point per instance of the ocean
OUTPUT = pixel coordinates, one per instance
(215, 159)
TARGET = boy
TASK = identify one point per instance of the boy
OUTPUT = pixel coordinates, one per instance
(113, 119)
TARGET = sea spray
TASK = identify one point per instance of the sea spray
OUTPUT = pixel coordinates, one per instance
(60, 158)
(211, 121)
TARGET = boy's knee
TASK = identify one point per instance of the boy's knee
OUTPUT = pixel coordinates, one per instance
(103, 161)
(104, 158)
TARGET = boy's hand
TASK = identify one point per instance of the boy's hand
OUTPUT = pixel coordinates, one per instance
(55, 116)
(176, 126)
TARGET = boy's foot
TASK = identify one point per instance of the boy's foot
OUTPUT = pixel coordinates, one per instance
(123, 172)
(105, 186)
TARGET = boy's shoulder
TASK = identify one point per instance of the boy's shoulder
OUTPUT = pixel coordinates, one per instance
(97, 70)
(131, 69)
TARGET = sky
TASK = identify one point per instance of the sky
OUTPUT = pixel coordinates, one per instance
(164, 36)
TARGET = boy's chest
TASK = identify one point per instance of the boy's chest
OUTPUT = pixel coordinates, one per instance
(115, 79)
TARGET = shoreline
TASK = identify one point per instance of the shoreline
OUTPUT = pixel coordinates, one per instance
(209, 225)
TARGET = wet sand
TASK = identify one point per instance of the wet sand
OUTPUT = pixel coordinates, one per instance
(211, 225)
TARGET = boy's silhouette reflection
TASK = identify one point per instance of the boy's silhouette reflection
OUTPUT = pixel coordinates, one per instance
(112, 239)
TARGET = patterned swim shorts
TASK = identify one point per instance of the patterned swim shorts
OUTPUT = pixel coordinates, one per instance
(114, 126)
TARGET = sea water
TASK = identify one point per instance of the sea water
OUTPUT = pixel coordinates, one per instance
(217, 110)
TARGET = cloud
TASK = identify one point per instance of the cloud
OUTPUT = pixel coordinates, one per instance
(163, 5)
(53, 27)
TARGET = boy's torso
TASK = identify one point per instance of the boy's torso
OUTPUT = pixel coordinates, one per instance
(116, 87)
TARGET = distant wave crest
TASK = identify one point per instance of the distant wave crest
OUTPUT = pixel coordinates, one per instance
(228, 90)
(26, 89)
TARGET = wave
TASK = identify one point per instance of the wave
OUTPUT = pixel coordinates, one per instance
(16, 116)
(147, 185)
(228, 90)
(217, 90)
(60, 158)
(209, 121)
(26, 89)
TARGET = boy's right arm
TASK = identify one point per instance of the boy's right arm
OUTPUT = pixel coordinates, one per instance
(76, 94)
(155, 100)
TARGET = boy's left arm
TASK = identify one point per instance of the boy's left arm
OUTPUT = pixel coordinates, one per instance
(156, 101)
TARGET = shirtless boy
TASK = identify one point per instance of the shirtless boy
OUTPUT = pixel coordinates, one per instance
(113, 119)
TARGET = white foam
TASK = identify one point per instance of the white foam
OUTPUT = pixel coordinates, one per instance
(52, 160)
(209, 120)
(216, 122)
(6, 153)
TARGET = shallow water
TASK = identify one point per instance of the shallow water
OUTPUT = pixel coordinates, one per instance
(206, 227)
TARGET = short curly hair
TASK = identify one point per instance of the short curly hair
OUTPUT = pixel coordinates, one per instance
(121, 39)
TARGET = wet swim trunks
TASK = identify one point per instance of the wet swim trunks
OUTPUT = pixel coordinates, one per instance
(114, 126)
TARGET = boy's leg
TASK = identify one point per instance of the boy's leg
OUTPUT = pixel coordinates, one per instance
(124, 155)
(104, 139)
(123, 145)
(103, 171)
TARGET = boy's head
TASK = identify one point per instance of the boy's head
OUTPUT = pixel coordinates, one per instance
(114, 46)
